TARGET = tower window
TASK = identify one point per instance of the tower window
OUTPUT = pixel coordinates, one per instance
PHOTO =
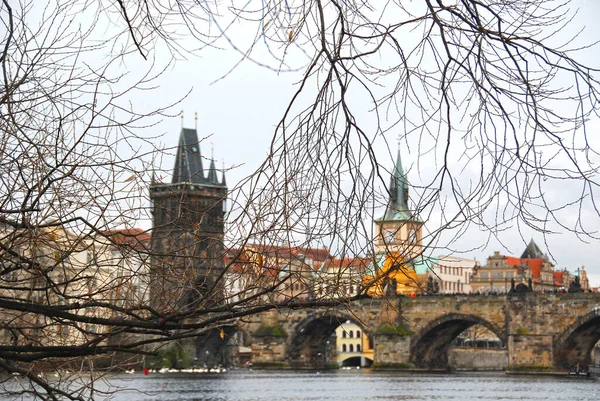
(412, 236)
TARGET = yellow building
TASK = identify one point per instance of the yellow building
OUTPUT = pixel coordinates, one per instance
(353, 346)
(400, 267)
(391, 272)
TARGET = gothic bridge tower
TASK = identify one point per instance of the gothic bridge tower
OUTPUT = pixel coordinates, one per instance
(187, 231)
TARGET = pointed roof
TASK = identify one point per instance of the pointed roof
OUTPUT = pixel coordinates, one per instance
(212, 173)
(397, 207)
(533, 251)
(188, 162)
(223, 180)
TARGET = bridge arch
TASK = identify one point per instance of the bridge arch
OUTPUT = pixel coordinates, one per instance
(213, 347)
(429, 347)
(574, 346)
(309, 346)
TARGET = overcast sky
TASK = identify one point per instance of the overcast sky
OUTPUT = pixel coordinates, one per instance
(238, 114)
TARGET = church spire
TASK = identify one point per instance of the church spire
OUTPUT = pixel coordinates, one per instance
(212, 173)
(223, 180)
(188, 162)
(397, 208)
(533, 251)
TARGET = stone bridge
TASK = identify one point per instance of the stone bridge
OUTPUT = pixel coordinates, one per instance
(541, 332)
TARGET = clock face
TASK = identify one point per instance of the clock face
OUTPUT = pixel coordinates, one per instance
(389, 236)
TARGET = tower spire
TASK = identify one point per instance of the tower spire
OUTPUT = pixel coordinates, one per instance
(397, 207)
(212, 172)
(223, 180)
(188, 162)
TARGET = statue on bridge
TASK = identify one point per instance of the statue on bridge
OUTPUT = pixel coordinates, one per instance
(433, 287)
(520, 288)
(575, 285)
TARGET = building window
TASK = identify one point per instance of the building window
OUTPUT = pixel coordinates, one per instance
(351, 348)
(389, 236)
(357, 347)
(350, 334)
(343, 347)
(412, 237)
(344, 334)
(357, 333)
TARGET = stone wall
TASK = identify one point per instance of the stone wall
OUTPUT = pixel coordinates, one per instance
(391, 351)
(534, 328)
(269, 352)
(596, 356)
(477, 359)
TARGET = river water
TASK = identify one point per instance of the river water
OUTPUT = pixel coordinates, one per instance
(245, 385)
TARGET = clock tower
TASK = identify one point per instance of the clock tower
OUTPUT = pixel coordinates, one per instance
(399, 231)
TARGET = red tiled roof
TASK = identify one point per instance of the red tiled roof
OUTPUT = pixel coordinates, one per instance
(359, 264)
(250, 261)
(558, 278)
(286, 251)
(135, 237)
(535, 265)
(316, 254)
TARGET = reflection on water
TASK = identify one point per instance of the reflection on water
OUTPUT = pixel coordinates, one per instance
(353, 385)
(342, 385)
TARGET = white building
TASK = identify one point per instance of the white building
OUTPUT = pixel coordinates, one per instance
(453, 274)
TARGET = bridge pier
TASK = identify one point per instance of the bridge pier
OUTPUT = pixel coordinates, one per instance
(530, 352)
(530, 338)
(269, 352)
(391, 351)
